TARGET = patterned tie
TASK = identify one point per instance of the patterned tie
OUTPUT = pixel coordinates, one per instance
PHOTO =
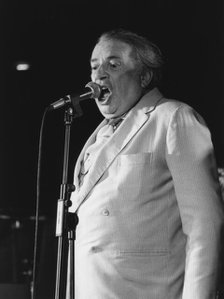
(102, 136)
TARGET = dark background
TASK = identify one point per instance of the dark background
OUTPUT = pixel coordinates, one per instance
(56, 38)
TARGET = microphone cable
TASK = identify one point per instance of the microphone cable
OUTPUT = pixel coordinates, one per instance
(33, 282)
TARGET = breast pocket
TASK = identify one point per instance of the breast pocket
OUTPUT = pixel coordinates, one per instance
(133, 172)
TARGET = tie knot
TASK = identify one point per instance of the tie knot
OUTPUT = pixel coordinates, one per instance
(115, 122)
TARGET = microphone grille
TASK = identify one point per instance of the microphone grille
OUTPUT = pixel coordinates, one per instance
(95, 89)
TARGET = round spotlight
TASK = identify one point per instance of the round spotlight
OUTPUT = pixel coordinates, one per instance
(22, 66)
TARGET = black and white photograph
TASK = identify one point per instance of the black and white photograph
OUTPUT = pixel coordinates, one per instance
(112, 149)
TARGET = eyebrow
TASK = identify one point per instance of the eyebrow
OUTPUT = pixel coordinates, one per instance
(108, 58)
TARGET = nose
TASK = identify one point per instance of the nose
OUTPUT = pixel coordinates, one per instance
(100, 74)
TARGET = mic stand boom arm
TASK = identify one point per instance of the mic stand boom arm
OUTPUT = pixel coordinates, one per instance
(64, 233)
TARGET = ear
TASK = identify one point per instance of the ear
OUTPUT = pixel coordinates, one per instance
(146, 78)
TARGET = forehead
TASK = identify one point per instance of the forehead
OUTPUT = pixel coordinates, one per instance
(106, 49)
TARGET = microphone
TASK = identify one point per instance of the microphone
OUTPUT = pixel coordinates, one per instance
(95, 91)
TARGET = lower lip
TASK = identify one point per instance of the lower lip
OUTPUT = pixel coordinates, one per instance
(105, 101)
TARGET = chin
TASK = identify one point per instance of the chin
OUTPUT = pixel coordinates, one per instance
(106, 111)
(107, 114)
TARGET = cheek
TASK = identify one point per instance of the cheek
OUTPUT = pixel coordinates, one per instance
(129, 78)
(127, 86)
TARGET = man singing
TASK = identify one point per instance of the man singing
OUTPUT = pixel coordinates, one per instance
(147, 193)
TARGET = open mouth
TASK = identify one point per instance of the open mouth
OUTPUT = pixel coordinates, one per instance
(105, 93)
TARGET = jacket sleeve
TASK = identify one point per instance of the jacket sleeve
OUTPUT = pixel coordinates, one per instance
(192, 164)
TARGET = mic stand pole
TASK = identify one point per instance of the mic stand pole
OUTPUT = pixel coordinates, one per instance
(65, 237)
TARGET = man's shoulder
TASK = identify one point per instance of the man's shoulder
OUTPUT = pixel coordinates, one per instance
(176, 110)
(157, 99)
(166, 108)
(171, 105)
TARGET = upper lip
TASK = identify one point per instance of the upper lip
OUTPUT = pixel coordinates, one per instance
(105, 86)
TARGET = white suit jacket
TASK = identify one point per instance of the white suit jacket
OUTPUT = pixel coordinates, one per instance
(149, 210)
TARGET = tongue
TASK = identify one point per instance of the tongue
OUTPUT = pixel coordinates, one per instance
(104, 93)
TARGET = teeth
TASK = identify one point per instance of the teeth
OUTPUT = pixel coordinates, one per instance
(104, 87)
(105, 92)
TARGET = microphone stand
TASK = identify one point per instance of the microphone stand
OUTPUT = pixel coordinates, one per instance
(66, 222)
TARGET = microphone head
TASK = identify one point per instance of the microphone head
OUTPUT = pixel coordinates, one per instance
(95, 89)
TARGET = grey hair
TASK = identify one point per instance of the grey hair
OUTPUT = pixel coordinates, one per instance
(147, 53)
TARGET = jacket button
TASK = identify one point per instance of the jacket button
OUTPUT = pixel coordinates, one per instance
(105, 212)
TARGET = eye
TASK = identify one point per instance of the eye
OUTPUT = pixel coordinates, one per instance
(114, 64)
(94, 67)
